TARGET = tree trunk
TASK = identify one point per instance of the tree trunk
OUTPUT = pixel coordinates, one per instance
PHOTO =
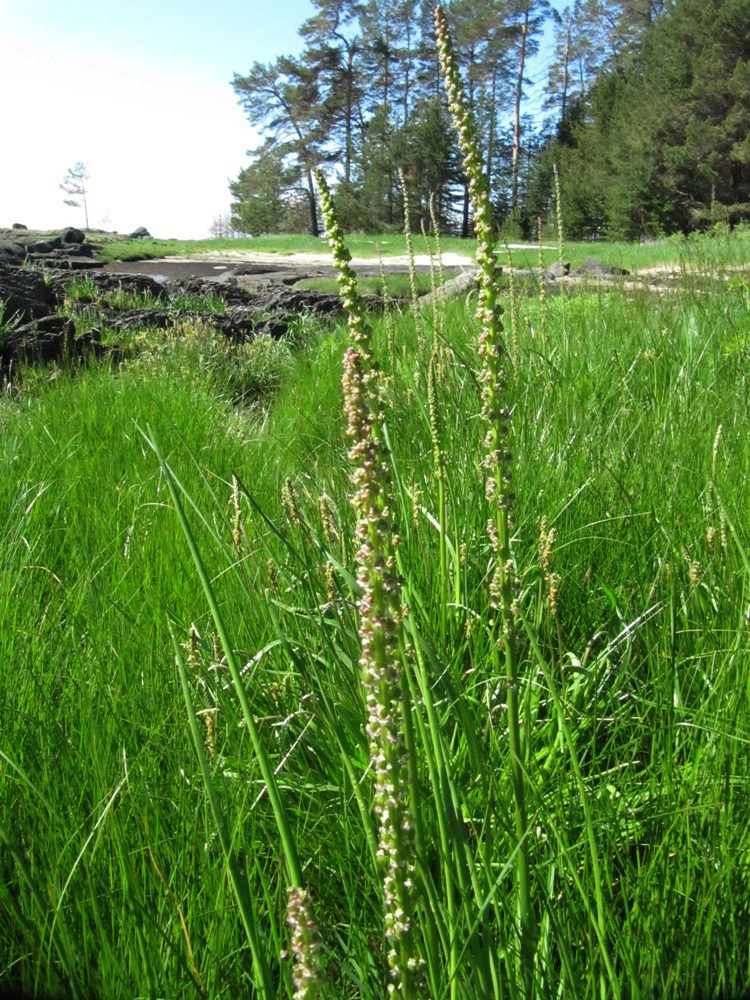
(312, 204)
(348, 119)
(517, 115)
(465, 218)
(564, 100)
(491, 134)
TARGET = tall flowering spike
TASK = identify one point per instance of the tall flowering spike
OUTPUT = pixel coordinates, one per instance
(347, 277)
(380, 616)
(305, 946)
(438, 249)
(409, 247)
(434, 415)
(498, 462)
(489, 311)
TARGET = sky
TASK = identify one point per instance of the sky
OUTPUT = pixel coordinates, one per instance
(140, 92)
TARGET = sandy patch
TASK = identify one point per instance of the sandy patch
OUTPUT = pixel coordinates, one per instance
(324, 259)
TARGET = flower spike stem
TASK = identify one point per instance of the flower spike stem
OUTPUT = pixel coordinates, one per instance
(380, 619)
(498, 462)
(409, 247)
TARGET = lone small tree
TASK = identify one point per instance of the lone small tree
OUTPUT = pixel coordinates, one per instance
(74, 183)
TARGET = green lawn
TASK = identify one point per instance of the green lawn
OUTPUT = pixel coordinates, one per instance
(724, 249)
(629, 436)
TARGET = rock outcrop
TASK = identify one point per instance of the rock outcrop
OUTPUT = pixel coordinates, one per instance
(26, 294)
(35, 333)
(68, 248)
(597, 269)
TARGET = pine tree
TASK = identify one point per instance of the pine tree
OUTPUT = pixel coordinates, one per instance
(333, 53)
(527, 18)
(74, 185)
(283, 98)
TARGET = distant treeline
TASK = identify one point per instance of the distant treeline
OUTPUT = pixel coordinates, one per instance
(648, 115)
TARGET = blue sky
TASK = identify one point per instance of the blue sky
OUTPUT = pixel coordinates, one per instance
(139, 91)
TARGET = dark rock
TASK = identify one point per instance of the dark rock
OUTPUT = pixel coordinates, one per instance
(296, 301)
(597, 268)
(228, 291)
(141, 233)
(72, 235)
(76, 250)
(245, 269)
(60, 259)
(237, 324)
(79, 249)
(12, 253)
(49, 338)
(59, 249)
(271, 310)
(25, 293)
(18, 225)
(142, 284)
(275, 327)
(137, 319)
(555, 271)
(39, 246)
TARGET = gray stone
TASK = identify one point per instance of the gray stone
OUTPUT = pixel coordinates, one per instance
(455, 286)
(141, 233)
(555, 271)
(596, 268)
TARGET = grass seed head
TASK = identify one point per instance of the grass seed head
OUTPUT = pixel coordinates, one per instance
(305, 945)
(380, 617)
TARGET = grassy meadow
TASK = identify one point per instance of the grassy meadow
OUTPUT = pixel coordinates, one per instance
(183, 719)
(727, 249)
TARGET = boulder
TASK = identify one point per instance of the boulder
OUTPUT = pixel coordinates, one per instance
(455, 286)
(39, 246)
(298, 301)
(49, 338)
(18, 225)
(237, 324)
(12, 253)
(596, 268)
(244, 269)
(557, 271)
(137, 319)
(25, 293)
(113, 281)
(141, 233)
(229, 291)
(60, 259)
(72, 235)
